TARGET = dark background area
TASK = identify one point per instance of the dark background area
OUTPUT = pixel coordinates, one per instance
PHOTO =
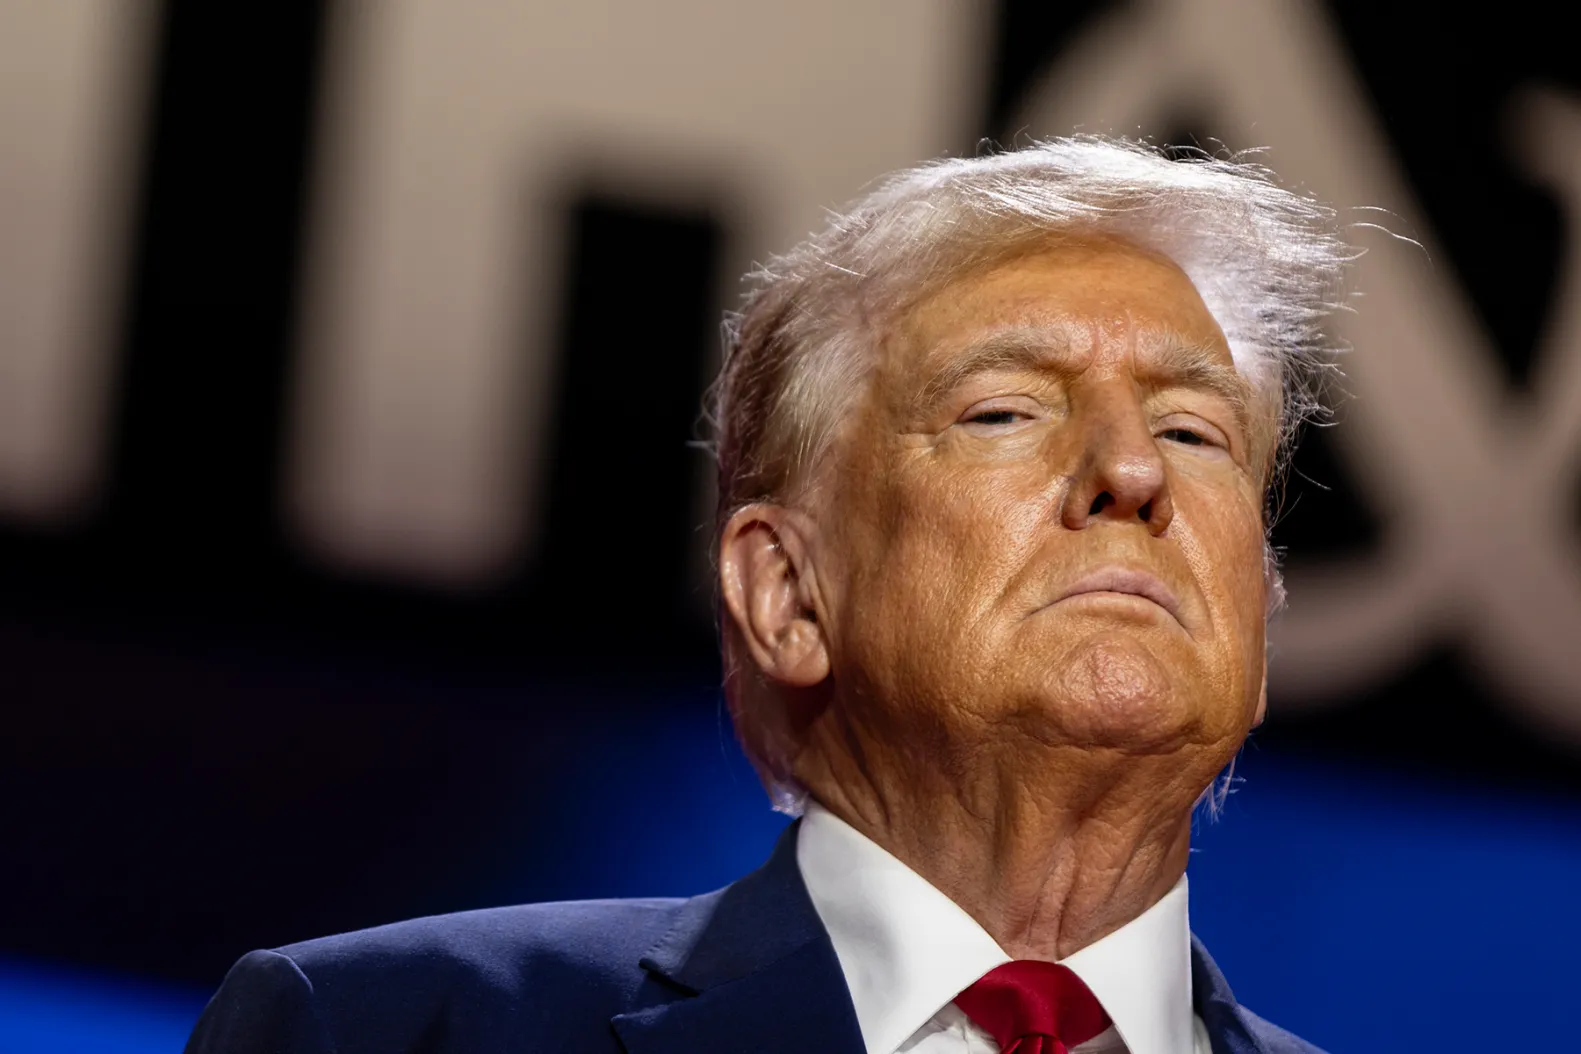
(216, 742)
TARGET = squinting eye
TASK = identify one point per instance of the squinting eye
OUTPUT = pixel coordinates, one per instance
(1182, 435)
(995, 417)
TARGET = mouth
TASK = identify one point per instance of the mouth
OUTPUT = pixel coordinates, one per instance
(1125, 582)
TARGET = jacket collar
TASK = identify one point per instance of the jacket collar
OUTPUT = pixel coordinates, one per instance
(1215, 1004)
(756, 970)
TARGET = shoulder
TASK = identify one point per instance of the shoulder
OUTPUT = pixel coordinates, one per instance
(497, 947)
(1223, 1016)
(449, 982)
(1271, 1039)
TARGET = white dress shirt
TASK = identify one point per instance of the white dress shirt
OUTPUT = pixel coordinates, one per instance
(907, 950)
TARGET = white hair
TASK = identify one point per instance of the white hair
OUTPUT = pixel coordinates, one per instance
(1267, 262)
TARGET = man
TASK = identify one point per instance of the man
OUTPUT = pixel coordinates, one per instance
(994, 449)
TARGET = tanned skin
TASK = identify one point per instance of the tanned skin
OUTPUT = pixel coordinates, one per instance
(1068, 420)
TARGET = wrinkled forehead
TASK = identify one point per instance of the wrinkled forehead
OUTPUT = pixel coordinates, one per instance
(1076, 299)
(1061, 307)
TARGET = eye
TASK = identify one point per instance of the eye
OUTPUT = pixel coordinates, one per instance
(1000, 415)
(1183, 435)
(996, 417)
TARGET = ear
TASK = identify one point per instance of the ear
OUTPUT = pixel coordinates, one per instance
(770, 589)
(1262, 700)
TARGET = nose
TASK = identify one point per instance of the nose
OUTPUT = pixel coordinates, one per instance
(1120, 476)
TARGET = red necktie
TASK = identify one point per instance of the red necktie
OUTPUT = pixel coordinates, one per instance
(1033, 1007)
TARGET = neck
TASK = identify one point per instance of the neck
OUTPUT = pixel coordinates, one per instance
(1046, 866)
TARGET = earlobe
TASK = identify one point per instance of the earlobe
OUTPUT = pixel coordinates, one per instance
(769, 589)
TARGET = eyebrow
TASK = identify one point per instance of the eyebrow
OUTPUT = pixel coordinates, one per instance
(1173, 363)
(1031, 350)
(1169, 362)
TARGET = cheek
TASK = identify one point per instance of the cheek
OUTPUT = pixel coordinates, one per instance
(1222, 539)
(938, 551)
(969, 530)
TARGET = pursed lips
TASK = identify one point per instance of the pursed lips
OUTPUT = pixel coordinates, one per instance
(1126, 581)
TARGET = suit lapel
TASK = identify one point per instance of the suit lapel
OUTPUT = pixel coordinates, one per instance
(750, 970)
(1215, 1004)
(754, 970)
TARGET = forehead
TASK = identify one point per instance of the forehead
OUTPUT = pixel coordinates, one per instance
(1100, 294)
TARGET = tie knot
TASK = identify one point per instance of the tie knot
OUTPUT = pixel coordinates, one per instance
(1032, 1007)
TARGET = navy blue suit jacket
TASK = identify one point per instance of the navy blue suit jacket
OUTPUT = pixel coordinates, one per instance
(748, 968)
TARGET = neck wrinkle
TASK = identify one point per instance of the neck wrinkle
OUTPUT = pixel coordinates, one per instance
(1045, 869)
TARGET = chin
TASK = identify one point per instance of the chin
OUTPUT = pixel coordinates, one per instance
(1124, 690)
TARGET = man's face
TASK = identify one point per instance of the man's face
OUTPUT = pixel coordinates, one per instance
(1045, 519)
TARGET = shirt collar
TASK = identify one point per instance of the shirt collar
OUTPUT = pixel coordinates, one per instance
(907, 950)
(1141, 973)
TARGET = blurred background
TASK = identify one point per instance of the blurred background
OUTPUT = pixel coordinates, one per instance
(350, 352)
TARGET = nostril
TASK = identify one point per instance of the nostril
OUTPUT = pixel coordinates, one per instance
(1145, 513)
(1101, 502)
